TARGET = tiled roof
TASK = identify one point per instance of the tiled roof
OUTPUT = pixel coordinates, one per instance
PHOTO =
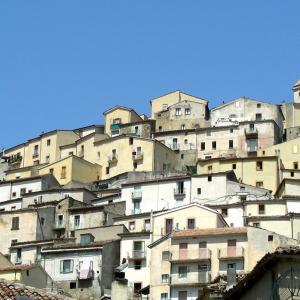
(208, 231)
(16, 268)
(10, 290)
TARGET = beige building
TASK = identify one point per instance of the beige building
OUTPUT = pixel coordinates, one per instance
(260, 171)
(72, 168)
(188, 260)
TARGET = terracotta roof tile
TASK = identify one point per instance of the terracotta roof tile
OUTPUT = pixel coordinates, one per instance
(209, 231)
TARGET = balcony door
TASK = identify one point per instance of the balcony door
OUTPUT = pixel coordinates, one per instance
(231, 248)
(183, 248)
(169, 225)
(138, 249)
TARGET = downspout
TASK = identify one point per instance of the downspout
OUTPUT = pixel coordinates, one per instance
(38, 216)
(10, 193)
(292, 224)
(152, 226)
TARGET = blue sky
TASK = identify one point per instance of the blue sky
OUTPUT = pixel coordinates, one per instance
(63, 62)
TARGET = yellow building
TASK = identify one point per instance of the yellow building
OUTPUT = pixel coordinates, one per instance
(260, 171)
(118, 115)
(72, 168)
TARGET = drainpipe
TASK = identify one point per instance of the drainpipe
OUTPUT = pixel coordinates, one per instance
(152, 226)
(10, 193)
(292, 224)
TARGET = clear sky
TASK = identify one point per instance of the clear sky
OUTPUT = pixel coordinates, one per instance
(63, 62)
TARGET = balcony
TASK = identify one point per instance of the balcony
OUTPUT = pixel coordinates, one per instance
(83, 274)
(137, 157)
(136, 254)
(18, 261)
(231, 253)
(175, 146)
(194, 255)
(136, 211)
(251, 133)
(35, 154)
(179, 192)
(112, 159)
(59, 226)
(192, 279)
(136, 195)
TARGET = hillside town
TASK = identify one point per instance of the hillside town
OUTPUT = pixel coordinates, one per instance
(188, 203)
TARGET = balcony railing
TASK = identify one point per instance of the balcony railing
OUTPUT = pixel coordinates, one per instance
(135, 211)
(191, 255)
(85, 274)
(136, 254)
(35, 154)
(112, 158)
(251, 133)
(18, 261)
(136, 195)
(175, 146)
(231, 253)
(191, 279)
(138, 156)
(179, 192)
(59, 225)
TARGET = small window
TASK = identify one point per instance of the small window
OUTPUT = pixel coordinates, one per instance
(165, 278)
(209, 169)
(214, 145)
(135, 165)
(230, 144)
(15, 223)
(191, 224)
(186, 141)
(237, 104)
(42, 221)
(187, 111)
(63, 174)
(231, 130)
(259, 184)
(178, 111)
(259, 166)
(270, 238)
(292, 174)
(48, 142)
(209, 178)
(199, 191)
(159, 128)
(182, 271)
(261, 209)
(296, 165)
(77, 221)
(258, 105)
(182, 156)
(165, 255)
(107, 170)
(137, 264)
(72, 285)
(51, 171)
(231, 266)
(208, 133)
(258, 117)
(264, 152)
(182, 126)
(202, 145)
(224, 212)
(13, 242)
(233, 166)
(256, 224)
(132, 225)
(13, 207)
(164, 296)
(131, 141)
(14, 194)
(27, 272)
(66, 266)
(22, 191)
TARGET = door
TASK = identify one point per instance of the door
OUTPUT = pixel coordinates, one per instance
(231, 248)
(183, 250)
(182, 295)
(169, 225)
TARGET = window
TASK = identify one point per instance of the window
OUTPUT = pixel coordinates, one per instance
(233, 166)
(132, 225)
(51, 171)
(36, 150)
(13, 207)
(159, 128)
(182, 271)
(182, 295)
(209, 169)
(76, 221)
(270, 238)
(47, 159)
(292, 174)
(63, 172)
(258, 105)
(19, 256)
(202, 145)
(208, 133)
(178, 111)
(147, 225)
(86, 239)
(199, 191)
(296, 165)
(48, 142)
(14, 194)
(182, 126)
(165, 278)
(259, 184)
(214, 145)
(60, 220)
(42, 220)
(231, 266)
(182, 156)
(230, 144)
(107, 170)
(38, 252)
(187, 111)
(66, 266)
(136, 130)
(136, 206)
(259, 166)
(15, 223)
(117, 121)
(231, 130)
(186, 141)
(131, 141)
(261, 209)
(164, 296)
(72, 285)
(224, 212)
(71, 153)
(13, 242)
(237, 104)
(258, 117)
(135, 165)
(165, 255)
(209, 178)
(191, 224)
(137, 264)
(256, 224)
(22, 191)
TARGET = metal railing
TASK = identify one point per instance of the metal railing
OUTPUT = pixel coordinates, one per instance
(112, 158)
(197, 277)
(136, 194)
(135, 211)
(193, 254)
(179, 192)
(136, 254)
(230, 252)
(138, 156)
